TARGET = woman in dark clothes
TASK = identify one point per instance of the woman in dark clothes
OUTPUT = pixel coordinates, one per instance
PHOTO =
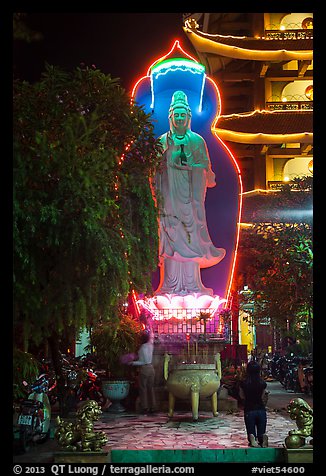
(253, 392)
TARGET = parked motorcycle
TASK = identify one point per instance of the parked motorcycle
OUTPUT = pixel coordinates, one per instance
(265, 365)
(295, 373)
(309, 380)
(291, 379)
(279, 367)
(71, 384)
(90, 388)
(46, 367)
(34, 414)
(306, 376)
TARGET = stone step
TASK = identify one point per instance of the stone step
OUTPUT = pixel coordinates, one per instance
(239, 455)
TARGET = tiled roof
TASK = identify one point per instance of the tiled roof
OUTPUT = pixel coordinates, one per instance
(285, 122)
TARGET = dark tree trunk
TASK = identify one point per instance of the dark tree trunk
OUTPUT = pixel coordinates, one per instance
(61, 380)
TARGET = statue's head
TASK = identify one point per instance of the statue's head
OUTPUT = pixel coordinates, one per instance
(179, 113)
(299, 408)
(89, 410)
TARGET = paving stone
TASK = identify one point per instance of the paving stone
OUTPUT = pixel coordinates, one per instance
(225, 431)
(159, 432)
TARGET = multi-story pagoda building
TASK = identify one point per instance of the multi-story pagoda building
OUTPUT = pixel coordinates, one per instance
(263, 66)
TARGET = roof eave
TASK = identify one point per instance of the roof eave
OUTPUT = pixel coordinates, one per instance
(205, 45)
(262, 138)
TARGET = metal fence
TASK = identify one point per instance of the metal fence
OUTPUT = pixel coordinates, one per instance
(188, 321)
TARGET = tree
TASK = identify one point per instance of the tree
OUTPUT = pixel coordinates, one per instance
(278, 264)
(84, 220)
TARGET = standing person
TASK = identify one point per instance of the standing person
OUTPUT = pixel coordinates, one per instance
(146, 373)
(253, 392)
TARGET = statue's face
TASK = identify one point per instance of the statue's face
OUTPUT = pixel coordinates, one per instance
(179, 119)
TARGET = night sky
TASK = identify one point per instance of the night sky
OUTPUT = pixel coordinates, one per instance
(120, 44)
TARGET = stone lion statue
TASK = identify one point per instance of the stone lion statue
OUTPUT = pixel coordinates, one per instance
(80, 435)
(300, 411)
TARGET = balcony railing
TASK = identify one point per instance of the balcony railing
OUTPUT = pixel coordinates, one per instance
(183, 324)
(279, 184)
(298, 34)
(289, 106)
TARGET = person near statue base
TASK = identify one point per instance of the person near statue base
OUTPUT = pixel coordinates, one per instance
(253, 392)
(146, 373)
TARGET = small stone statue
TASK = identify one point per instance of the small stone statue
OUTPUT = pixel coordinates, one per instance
(300, 411)
(81, 435)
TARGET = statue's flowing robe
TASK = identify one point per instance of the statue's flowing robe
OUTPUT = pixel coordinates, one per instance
(184, 236)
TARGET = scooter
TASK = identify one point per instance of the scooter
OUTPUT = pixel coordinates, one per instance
(34, 414)
(308, 380)
(291, 380)
(90, 388)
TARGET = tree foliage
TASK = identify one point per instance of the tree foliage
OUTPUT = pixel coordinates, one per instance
(277, 260)
(84, 220)
(111, 340)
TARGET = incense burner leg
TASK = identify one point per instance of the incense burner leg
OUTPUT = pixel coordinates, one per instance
(171, 404)
(214, 404)
(195, 403)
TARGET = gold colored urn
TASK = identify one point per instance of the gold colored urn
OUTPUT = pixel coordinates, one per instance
(193, 381)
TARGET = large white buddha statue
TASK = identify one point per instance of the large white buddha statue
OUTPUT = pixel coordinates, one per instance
(181, 184)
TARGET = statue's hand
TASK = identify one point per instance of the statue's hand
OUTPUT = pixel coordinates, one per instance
(182, 167)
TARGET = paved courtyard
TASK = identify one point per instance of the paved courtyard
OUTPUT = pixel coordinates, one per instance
(131, 431)
(159, 432)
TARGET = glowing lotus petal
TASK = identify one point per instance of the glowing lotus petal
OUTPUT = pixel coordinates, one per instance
(190, 302)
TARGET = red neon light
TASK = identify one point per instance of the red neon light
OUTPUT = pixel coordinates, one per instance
(218, 112)
(176, 44)
(241, 190)
(230, 279)
(239, 219)
(134, 298)
(136, 84)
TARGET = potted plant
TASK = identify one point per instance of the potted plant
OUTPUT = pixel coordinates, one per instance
(112, 340)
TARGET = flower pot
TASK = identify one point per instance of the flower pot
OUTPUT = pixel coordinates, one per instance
(116, 390)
